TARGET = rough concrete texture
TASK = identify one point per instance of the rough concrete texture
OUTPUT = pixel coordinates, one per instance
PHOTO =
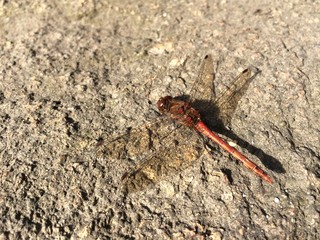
(74, 72)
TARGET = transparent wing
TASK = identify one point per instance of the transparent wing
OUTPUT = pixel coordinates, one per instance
(227, 101)
(154, 152)
(171, 159)
(203, 89)
(139, 141)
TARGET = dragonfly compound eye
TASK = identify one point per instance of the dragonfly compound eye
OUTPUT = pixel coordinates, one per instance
(163, 103)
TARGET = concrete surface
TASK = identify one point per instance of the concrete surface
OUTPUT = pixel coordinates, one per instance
(75, 72)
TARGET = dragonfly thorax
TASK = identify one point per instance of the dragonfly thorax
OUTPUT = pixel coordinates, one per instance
(179, 110)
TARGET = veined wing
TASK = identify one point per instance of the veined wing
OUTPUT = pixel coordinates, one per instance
(180, 150)
(227, 101)
(139, 141)
(161, 151)
(203, 89)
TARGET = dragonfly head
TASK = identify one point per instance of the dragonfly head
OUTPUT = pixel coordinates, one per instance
(163, 104)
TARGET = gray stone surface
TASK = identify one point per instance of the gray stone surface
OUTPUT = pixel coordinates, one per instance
(75, 71)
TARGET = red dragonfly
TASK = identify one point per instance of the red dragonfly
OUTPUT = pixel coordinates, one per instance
(166, 148)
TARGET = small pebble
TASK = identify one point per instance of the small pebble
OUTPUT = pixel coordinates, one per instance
(276, 200)
(232, 144)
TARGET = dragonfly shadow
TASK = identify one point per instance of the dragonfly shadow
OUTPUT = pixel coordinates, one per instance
(210, 113)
